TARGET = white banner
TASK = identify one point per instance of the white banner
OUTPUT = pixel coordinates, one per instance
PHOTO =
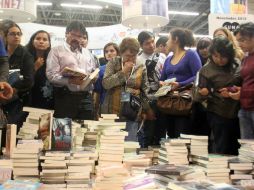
(97, 36)
(228, 21)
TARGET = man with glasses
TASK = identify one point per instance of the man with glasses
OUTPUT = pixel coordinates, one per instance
(71, 100)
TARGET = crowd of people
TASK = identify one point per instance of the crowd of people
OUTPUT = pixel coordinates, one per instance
(221, 71)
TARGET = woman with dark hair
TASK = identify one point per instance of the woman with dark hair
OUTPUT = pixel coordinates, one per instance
(216, 78)
(110, 51)
(182, 66)
(22, 80)
(42, 92)
(202, 49)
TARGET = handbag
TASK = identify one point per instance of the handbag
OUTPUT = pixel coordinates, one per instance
(177, 102)
(131, 108)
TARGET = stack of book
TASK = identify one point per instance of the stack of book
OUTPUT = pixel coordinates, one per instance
(80, 166)
(240, 170)
(215, 166)
(246, 152)
(174, 151)
(131, 146)
(38, 124)
(5, 170)
(111, 177)
(167, 172)
(26, 159)
(78, 134)
(108, 117)
(136, 164)
(155, 150)
(28, 131)
(111, 148)
(198, 145)
(54, 168)
(90, 139)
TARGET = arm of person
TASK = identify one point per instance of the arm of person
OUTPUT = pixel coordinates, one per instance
(27, 71)
(4, 68)
(111, 78)
(53, 71)
(193, 66)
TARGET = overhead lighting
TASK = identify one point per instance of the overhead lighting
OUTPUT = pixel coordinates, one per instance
(57, 14)
(183, 13)
(44, 3)
(81, 6)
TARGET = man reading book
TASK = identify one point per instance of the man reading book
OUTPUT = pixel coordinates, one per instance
(72, 97)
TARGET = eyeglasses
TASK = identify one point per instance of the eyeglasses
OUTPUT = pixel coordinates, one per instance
(15, 34)
(75, 35)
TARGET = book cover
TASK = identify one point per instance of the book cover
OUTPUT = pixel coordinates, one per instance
(61, 134)
(14, 76)
(45, 129)
(69, 72)
(169, 169)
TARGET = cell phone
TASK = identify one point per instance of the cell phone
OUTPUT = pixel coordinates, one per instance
(232, 89)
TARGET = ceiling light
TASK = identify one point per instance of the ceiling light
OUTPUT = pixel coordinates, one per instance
(106, 6)
(81, 6)
(1, 11)
(57, 14)
(183, 13)
(44, 3)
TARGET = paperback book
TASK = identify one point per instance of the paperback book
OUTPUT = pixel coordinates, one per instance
(61, 134)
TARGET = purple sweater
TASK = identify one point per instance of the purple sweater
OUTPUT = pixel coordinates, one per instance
(185, 71)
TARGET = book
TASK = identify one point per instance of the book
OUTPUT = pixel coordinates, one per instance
(20, 185)
(69, 72)
(169, 169)
(5, 174)
(89, 79)
(61, 134)
(11, 133)
(162, 91)
(45, 130)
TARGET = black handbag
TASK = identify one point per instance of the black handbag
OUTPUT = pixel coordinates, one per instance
(131, 108)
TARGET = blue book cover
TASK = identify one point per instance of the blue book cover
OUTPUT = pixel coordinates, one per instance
(20, 185)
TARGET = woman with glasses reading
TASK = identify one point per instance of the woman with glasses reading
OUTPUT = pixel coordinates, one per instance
(21, 72)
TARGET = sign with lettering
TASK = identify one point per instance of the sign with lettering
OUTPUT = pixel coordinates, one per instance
(228, 21)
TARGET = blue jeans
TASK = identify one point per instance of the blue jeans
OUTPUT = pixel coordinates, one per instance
(246, 124)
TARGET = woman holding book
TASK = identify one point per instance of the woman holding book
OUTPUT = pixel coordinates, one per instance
(126, 80)
(22, 70)
(182, 66)
(216, 79)
(42, 92)
(110, 50)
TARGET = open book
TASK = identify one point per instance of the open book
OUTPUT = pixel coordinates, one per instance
(162, 91)
(89, 79)
(68, 72)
